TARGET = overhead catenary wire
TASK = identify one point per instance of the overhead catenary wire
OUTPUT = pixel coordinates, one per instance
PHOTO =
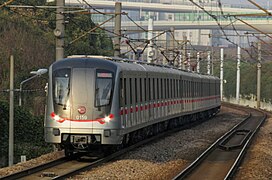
(136, 23)
(260, 7)
(6, 3)
(91, 30)
(220, 26)
(146, 42)
(100, 12)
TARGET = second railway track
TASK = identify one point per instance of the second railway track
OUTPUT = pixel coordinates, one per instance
(221, 159)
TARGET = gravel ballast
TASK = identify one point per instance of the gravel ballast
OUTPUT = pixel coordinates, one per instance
(164, 158)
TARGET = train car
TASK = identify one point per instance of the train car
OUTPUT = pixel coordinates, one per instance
(96, 102)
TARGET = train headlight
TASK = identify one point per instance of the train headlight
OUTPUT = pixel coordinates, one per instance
(57, 117)
(106, 119)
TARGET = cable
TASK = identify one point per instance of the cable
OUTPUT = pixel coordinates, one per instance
(93, 7)
(218, 23)
(145, 42)
(91, 30)
(6, 3)
(136, 23)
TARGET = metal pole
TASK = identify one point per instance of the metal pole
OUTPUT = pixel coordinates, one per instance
(11, 111)
(221, 72)
(180, 60)
(189, 61)
(150, 53)
(20, 95)
(184, 51)
(238, 75)
(197, 62)
(212, 61)
(117, 29)
(59, 31)
(259, 66)
(209, 63)
(21, 88)
(172, 47)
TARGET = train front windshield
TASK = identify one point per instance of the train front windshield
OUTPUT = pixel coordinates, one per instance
(103, 88)
(82, 87)
(61, 85)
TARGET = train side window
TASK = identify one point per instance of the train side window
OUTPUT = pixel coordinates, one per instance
(154, 89)
(158, 89)
(185, 89)
(182, 88)
(130, 90)
(194, 88)
(141, 91)
(187, 86)
(168, 89)
(191, 85)
(174, 88)
(145, 89)
(125, 91)
(177, 88)
(171, 88)
(161, 94)
(136, 90)
(149, 89)
(165, 88)
(121, 93)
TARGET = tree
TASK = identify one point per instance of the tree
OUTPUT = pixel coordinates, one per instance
(94, 43)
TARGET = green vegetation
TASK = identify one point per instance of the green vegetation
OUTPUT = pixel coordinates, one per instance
(28, 134)
(248, 74)
(28, 35)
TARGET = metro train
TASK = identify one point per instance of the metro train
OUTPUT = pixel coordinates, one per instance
(96, 102)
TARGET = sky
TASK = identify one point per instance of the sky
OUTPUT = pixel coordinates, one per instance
(260, 2)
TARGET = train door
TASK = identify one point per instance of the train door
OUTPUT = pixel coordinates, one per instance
(82, 95)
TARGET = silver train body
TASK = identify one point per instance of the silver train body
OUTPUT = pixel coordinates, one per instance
(97, 101)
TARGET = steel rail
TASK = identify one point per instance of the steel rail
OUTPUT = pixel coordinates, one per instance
(239, 159)
(33, 170)
(64, 168)
(217, 147)
(127, 149)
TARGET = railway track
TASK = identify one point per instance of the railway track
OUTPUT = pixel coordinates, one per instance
(63, 168)
(74, 167)
(222, 159)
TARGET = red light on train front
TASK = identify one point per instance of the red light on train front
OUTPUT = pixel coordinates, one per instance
(106, 119)
(81, 110)
(57, 117)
